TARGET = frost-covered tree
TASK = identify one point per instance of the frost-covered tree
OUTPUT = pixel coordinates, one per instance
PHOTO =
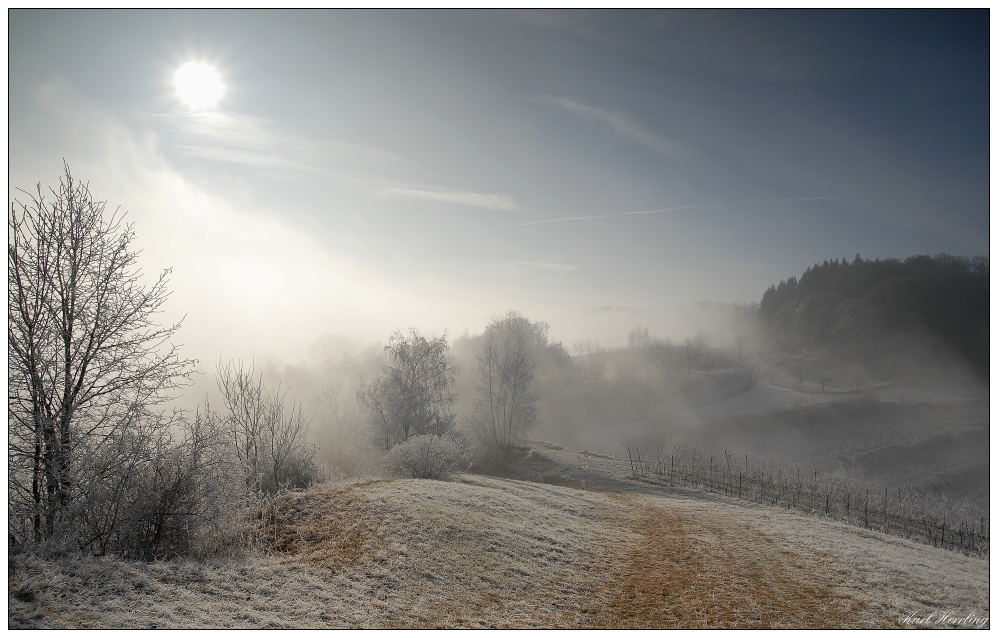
(87, 363)
(508, 352)
(268, 434)
(414, 393)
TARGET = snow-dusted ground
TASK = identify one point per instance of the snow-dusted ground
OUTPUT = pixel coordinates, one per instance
(479, 551)
(763, 396)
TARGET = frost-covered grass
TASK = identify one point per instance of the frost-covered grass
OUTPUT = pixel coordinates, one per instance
(491, 552)
(477, 552)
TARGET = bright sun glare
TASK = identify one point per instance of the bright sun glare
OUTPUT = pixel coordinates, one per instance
(198, 85)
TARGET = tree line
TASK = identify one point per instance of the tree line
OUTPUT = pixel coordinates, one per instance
(876, 310)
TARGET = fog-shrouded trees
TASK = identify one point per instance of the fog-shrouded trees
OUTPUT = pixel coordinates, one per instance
(639, 338)
(87, 364)
(414, 394)
(507, 357)
(592, 358)
(800, 374)
(894, 317)
(340, 423)
(268, 437)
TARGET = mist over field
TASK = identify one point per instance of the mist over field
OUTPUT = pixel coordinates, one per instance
(415, 319)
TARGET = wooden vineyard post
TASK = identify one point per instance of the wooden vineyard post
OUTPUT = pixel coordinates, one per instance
(885, 511)
(739, 485)
(777, 488)
(632, 462)
(814, 488)
(672, 471)
(746, 470)
(727, 475)
(797, 500)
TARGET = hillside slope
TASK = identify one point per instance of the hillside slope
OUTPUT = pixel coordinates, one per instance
(491, 552)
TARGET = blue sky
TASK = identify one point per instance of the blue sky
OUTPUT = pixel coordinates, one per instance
(371, 170)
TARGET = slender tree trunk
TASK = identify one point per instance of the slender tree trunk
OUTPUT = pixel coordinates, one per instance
(65, 461)
(37, 478)
(50, 462)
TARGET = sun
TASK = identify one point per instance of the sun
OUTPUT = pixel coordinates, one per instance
(198, 85)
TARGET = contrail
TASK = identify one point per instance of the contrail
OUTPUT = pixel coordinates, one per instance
(661, 210)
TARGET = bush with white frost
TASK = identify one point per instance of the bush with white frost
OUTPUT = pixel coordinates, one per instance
(424, 456)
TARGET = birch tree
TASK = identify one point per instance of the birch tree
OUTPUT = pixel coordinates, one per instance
(413, 395)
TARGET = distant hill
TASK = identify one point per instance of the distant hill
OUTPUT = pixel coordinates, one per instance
(894, 316)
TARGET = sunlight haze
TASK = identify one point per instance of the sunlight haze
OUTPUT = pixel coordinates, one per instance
(314, 173)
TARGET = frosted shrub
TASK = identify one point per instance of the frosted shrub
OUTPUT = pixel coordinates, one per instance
(424, 456)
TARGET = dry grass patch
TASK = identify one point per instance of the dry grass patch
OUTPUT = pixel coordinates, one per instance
(709, 571)
(473, 552)
(330, 529)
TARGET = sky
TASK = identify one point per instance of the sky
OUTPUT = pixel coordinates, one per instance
(365, 171)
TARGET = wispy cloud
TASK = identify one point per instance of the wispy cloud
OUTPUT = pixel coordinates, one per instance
(494, 201)
(624, 126)
(535, 266)
(258, 142)
(657, 211)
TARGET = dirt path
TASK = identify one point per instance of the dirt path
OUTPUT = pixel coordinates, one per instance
(491, 552)
(872, 578)
(477, 552)
(708, 571)
(573, 559)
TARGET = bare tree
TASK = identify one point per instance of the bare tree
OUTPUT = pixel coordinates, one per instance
(800, 374)
(669, 354)
(695, 351)
(87, 362)
(699, 346)
(414, 394)
(592, 359)
(857, 378)
(823, 378)
(639, 338)
(339, 416)
(740, 342)
(507, 360)
(269, 438)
